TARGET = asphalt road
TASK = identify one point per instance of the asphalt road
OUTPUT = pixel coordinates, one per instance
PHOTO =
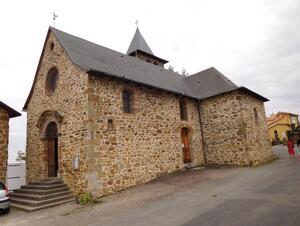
(270, 196)
(266, 195)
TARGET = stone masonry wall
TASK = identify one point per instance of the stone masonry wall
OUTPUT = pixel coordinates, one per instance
(230, 133)
(141, 145)
(223, 130)
(4, 119)
(258, 143)
(70, 103)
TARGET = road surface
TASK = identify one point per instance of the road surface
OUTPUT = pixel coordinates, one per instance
(265, 195)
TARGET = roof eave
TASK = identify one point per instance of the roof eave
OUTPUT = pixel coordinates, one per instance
(11, 112)
(96, 72)
(252, 93)
(148, 54)
(243, 89)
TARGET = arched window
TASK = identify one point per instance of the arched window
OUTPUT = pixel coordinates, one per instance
(255, 116)
(51, 45)
(127, 108)
(51, 80)
(183, 109)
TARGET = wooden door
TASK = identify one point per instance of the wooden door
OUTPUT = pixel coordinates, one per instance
(185, 139)
(51, 158)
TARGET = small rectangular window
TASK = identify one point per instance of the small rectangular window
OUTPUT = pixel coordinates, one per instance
(256, 116)
(127, 101)
(183, 109)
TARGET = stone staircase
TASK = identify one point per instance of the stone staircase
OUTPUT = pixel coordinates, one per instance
(40, 195)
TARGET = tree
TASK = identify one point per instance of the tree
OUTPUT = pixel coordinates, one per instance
(184, 72)
(21, 156)
(171, 68)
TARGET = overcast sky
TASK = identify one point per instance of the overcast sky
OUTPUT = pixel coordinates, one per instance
(255, 43)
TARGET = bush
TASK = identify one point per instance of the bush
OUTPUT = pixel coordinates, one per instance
(85, 198)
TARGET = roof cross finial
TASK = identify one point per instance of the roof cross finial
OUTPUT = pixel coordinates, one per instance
(54, 18)
(137, 23)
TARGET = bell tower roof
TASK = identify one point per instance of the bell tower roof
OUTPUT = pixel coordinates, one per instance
(140, 49)
(138, 43)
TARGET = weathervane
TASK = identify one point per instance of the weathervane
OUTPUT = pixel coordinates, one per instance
(54, 18)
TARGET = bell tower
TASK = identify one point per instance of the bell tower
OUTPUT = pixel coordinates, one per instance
(140, 49)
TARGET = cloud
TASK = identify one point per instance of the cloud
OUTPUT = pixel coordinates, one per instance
(272, 68)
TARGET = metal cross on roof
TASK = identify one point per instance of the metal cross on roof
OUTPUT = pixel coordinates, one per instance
(137, 22)
(54, 18)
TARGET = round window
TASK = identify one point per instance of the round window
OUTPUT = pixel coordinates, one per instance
(51, 80)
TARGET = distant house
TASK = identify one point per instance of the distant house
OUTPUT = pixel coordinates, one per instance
(279, 124)
(6, 113)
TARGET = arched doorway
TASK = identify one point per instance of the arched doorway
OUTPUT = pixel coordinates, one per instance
(51, 136)
(185, 141)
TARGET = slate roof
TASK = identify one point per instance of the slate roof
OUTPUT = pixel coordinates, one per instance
(138, 43)
(11, 112)
(98, 59)
(209, 82)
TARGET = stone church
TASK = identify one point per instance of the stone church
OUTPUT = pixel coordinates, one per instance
(104, 121)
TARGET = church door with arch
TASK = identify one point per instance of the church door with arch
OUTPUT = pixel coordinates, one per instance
(52, 146)
(185, 141)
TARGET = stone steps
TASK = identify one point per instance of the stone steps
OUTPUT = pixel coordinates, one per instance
(29, 208)
(46, 182)
(43, 187)
(33, 203)
(42, 194)
(39, 197)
